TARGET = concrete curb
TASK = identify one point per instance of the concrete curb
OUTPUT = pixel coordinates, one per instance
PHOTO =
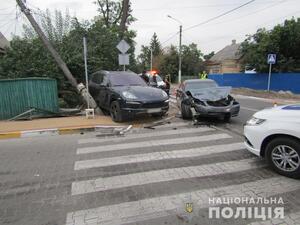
(65, 130)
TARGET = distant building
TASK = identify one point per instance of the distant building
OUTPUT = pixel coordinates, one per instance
(225, 61)
(4, 43)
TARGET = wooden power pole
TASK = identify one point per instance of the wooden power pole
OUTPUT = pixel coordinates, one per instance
(79, 87)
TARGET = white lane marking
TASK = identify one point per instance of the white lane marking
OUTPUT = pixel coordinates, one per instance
(156, 156)
(250, 109)
(151, 143)
(157, 176)
(252, 97)
(142, 210)
(145, 135)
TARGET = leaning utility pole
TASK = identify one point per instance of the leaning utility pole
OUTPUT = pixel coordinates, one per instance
(79, 87)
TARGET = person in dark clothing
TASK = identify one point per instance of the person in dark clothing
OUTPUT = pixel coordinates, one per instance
(167, 85)
(145, 77)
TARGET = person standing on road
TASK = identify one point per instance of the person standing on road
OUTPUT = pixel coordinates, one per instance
(203, 75)
(167, 85)
(145, 77)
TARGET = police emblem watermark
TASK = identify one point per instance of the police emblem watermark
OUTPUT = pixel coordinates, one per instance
(189, 207)
(252, 208)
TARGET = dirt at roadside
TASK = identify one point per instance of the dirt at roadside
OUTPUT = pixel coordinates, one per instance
(265, 94)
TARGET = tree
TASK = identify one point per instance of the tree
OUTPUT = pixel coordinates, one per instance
(144, 58)
(28, 58)
(192, 62)
(145, 55)
(284, 40)
(155, 45)
(111, 12)
(169, 64)
(54, 26)
(208, 56)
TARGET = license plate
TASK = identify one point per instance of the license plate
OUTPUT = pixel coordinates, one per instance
(154, 110)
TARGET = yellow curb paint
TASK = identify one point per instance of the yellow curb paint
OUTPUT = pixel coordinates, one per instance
(10, 135)
(74, 130)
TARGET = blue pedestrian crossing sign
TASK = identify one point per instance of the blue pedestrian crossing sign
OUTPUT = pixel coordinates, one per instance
(271, 58)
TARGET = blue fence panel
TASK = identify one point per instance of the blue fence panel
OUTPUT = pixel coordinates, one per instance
(259, 81)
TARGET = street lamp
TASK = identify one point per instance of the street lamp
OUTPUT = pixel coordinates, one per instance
(180, 38)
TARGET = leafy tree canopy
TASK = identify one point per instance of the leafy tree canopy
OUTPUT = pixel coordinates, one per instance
(27, 56)
(283, 40)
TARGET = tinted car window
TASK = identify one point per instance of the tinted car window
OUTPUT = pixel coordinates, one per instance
(97, 78)
(126, 80)
(200, 85)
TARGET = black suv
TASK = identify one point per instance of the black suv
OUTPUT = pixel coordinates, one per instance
(125, 94)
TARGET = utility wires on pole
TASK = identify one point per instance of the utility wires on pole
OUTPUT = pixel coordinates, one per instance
(79, 87)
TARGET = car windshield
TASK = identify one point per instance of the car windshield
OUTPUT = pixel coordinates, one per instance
(158, 78)
(200, 85)
(126, 80)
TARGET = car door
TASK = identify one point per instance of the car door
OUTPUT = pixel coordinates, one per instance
(96, 88)
(105, 92)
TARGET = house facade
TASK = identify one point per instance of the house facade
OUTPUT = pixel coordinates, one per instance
(228, 60)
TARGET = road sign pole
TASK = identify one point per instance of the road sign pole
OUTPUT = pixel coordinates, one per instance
(151, 59)
(269, 79)
(85, 67)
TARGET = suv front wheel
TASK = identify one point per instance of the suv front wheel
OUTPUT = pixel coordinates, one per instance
(116, 112)
(283, 155)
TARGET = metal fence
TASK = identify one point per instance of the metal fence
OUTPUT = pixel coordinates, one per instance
(19, 95)
(259, 81)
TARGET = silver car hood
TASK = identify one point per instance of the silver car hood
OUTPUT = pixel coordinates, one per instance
(211, 94)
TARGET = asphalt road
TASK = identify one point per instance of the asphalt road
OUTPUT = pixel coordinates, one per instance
(146, 177)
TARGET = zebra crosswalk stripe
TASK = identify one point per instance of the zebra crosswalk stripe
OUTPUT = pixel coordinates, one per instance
(156, 156)
(145, 135)
(145, 144)
(157, 176)
(142, 210)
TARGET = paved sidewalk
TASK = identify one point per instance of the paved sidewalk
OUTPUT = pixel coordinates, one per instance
(66, 125)
(50, 123)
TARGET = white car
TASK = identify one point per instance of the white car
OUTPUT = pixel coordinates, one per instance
(274, 134)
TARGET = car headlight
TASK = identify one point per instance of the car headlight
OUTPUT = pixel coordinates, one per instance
(255, 121)
(164, 94)
(128, 95)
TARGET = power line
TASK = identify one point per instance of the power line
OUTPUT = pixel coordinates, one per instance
(229, 36)
(252, 13)
(170, 38)
(221, 15)
(196, 6)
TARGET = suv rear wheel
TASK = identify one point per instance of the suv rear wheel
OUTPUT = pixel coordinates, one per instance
(283, 155)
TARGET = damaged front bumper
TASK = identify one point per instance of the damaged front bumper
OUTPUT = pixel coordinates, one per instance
(207, 110)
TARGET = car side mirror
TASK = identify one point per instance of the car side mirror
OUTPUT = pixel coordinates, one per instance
(100, 86)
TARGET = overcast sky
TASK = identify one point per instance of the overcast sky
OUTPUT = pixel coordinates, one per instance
(152, 17)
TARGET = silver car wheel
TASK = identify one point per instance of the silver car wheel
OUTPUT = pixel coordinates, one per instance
(285, 158)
